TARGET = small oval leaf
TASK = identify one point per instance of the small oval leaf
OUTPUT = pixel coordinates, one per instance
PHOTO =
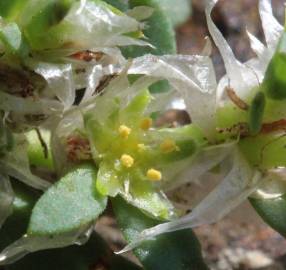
(272, 211)
(68, 205)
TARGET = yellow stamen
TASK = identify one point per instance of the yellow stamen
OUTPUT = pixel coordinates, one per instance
(168, 146)
(124, 131)
(154, 175)
(141, 147)
(127, 161)
(146, 123)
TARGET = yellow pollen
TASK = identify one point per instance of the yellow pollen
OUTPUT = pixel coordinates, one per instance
(141, 147)
(168, 146)
(124, 131)
(146, 123)
(154, 175)
(127, 161)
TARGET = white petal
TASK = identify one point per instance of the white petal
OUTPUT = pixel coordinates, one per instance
(140, 13)
(16, 164)
(273, 185)
(60, 81)
(28, 105)
(256, 45)
(98, 26)
(232, 65)
(204, 161)
(92, 81)
(207, 50)
(272, 29)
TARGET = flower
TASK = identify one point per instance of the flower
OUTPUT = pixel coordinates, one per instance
(134, 157)
(240, 120)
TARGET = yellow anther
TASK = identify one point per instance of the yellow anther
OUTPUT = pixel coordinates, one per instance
(124, 131)
(141, 147)
(154, 175)
(168, 146)
(127, 161)
(146, 123)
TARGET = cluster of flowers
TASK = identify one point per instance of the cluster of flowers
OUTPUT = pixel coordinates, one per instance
(68, 76)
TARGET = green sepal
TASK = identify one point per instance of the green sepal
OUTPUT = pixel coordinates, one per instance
(265, 151)
(100, 135)
(274, 83)
(136, 107)
(256, 112)
(107, 179)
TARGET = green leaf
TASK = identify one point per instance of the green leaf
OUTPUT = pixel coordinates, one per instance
(159, 22)
(178, 11)
(165, 43)
(178, 250)
(272, 211)
(9, 9)
(70, 204)
(70, 258)
(120, 4)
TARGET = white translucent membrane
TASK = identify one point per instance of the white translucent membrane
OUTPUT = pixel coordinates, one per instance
(195, 167)
(140, 13)
(120, 88)
(233, 67)
(11, 103)
(245, 76)
(98, 26)
(273, 185)
(238, 184)
(62, 129)
(6, 198)
(32, 243)
(191, 76)
(272, 32)
(92, 72)
(272, 29)
(16, 164)
(60, 81)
